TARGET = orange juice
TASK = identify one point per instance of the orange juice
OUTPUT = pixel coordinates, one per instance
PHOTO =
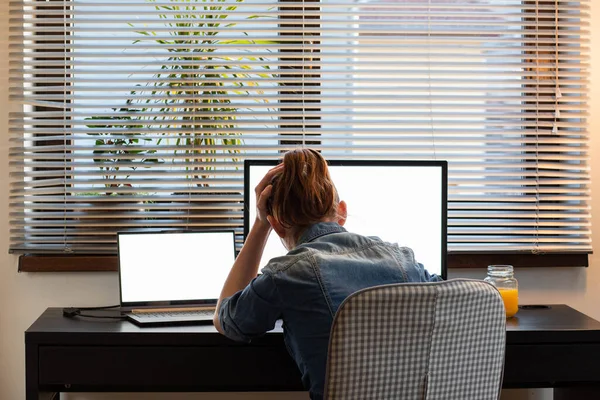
(511, 301)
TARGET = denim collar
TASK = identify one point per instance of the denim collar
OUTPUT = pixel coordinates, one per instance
(319, 229)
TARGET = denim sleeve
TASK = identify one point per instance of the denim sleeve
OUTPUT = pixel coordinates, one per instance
(251, 312)
(426, 276)
(415, 270)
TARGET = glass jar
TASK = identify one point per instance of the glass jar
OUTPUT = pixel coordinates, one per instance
(502, 276)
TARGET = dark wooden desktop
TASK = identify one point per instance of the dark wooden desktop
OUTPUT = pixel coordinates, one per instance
(557, 347)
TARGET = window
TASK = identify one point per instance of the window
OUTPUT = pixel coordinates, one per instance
(138, 114)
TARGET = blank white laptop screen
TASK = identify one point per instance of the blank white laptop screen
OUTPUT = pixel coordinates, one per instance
(172, 267)
(403, 203)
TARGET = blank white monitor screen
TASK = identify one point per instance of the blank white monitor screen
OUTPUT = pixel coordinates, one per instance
(172, 267)
(401, 202)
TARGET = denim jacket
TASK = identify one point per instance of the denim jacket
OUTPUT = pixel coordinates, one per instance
(305, 288)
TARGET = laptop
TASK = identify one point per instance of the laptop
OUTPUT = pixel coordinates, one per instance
(173, 278)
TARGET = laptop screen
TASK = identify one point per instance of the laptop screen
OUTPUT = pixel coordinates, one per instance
(174, 268)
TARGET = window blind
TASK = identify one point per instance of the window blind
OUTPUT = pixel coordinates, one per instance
(138, 114)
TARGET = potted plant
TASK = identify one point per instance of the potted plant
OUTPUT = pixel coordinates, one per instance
(197, 99)
(188, 94)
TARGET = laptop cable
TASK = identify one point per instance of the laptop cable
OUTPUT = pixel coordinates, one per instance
(71, 312)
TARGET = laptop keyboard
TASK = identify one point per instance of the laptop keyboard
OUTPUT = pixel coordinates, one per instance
(175, 314)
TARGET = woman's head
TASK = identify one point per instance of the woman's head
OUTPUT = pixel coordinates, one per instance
(303, 194)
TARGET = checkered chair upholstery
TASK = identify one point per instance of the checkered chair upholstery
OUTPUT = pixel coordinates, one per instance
(425, 341)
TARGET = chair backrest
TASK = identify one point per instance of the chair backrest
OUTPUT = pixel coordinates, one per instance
(430, 341)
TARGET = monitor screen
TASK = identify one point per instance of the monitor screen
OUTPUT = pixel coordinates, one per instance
(174, 268)
(403, 202)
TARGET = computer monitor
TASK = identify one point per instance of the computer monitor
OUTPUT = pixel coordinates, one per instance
(403, 202)
(170, 268)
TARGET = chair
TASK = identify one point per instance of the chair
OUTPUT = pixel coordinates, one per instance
(426, 341)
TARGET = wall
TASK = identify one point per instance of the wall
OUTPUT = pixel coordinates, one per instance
(24, 296)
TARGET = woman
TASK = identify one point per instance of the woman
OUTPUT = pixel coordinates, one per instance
(325, 263)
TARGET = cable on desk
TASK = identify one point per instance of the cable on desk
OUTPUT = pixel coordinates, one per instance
(71, 312)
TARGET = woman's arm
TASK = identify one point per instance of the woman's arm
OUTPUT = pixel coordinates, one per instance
(247, 262)
(245, 267)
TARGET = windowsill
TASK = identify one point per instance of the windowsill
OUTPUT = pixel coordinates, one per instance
(90, 263)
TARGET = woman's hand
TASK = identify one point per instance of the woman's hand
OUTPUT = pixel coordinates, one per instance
(262, 192)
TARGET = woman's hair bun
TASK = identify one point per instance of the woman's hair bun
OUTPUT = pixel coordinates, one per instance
(303, 193)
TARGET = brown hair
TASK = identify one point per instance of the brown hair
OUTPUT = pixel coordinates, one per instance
(303, 193)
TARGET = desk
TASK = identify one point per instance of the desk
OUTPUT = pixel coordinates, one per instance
(557, 347)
